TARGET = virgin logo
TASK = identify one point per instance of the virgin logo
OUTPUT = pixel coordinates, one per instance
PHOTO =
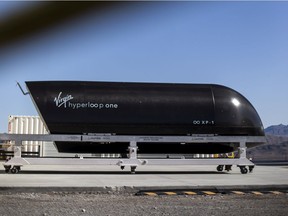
(59, 101)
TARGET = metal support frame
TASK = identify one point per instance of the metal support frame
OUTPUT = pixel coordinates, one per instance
(17, 161)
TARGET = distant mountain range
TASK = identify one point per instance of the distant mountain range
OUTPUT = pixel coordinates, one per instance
(279, 130)
(276, 147)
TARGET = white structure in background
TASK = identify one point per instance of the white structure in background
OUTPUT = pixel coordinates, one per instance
(27, 125)
(33, 125)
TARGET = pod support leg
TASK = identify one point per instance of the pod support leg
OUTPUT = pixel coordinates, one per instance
(14, 164)
(243, 159)
(133, 155)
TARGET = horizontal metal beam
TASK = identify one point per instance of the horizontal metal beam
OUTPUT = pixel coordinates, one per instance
(125, 162)
(139, 139)
(41, 137)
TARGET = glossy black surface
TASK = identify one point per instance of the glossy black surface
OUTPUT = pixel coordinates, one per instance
(77, 107)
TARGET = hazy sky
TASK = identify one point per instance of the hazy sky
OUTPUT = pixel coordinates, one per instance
(243, 45)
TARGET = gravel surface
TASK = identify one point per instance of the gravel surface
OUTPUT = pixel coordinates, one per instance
(45, 204)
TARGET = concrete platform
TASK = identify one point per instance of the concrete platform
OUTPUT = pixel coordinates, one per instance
(103, 178)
